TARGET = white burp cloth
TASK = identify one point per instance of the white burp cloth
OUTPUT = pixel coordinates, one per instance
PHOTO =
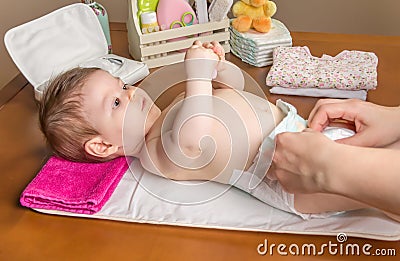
(63, 39)
(255, 182)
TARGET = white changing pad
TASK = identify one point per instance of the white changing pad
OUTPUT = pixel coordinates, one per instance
(135, 200)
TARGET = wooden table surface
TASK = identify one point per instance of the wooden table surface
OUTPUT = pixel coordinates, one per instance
(27, 235)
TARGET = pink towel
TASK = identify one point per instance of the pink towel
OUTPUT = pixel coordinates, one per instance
(74, 187)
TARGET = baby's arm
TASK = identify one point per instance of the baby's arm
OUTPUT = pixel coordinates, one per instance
(193, 119)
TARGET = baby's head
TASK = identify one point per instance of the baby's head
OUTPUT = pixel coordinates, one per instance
(82, 115)
(62, 119)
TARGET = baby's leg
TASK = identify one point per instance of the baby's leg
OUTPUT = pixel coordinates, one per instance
(321, 202)
(393, 216)
(395, 145)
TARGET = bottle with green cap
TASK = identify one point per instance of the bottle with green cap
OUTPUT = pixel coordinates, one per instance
(146, 6)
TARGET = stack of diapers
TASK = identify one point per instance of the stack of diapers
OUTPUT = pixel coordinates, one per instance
(350, 74)
(256, 48)
(113, 191)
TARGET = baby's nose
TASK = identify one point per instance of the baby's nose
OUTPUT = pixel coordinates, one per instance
(131, 92)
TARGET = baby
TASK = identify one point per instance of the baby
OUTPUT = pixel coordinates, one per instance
(212, 131)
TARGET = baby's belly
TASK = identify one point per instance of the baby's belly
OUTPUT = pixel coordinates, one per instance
(217, 161)
(239, 129)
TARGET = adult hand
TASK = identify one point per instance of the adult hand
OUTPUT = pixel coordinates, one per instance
(301, 161)
(375, 125)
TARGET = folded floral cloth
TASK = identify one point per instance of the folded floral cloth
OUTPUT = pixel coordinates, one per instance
(74, 187)
(295, 67)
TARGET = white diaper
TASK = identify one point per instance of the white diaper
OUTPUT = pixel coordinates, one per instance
(254, 180)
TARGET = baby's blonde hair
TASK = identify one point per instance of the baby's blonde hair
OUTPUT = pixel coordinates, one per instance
(62, 120)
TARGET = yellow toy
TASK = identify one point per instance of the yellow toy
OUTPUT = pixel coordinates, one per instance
(253, 14)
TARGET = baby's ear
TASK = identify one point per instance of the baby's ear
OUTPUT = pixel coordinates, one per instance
(99, 148)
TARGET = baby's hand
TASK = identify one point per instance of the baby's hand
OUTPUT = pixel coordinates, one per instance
(218, 50)
(201, 50)
(201, 61)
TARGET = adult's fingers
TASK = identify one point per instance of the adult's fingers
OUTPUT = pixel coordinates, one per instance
(326, 112)
(308, 130)
(290, 182)
(271, 172)
(361, 139)
(319, 103)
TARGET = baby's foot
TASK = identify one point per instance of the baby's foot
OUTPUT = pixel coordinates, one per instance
(218, 50)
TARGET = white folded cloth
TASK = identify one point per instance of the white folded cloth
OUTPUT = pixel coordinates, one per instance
(318, 92)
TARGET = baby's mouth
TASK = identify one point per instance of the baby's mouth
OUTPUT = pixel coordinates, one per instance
(143, 104)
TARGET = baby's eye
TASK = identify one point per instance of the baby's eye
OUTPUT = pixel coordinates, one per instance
(125, 86)
(116, 103)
